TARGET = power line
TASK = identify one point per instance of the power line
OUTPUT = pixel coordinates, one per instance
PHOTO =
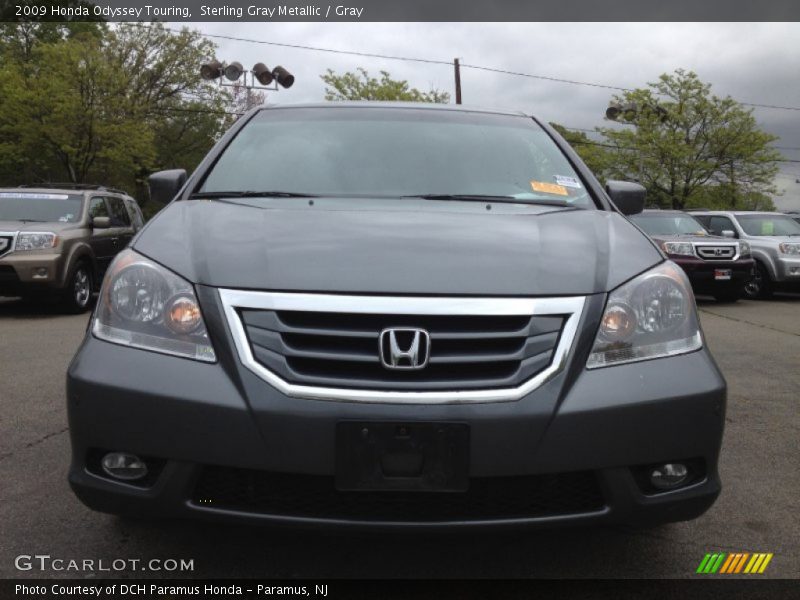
(439, 62)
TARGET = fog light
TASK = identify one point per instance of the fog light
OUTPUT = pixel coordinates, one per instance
(120, 465)
(794, 270)
(40, 273)
(668, 476)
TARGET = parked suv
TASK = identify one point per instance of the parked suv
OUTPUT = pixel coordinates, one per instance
(395, 316)
(58, 241)
(774, 240)
(715, 265)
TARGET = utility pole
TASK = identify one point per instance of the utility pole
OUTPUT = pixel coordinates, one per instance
(457, 68)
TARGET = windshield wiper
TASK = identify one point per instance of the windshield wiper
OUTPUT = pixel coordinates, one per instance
(491, 198)
(249, 194)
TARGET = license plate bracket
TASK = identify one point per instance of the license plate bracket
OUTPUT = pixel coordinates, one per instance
(722, 274)
(402, 456)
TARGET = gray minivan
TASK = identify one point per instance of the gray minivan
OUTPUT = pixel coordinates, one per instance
(395, 316)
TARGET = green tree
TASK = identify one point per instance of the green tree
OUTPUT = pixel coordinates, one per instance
(594, 154)
(695, 143)
(106, 109)
(360, 86)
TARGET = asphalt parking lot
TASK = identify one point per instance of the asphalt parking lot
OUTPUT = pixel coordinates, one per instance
(757, 345)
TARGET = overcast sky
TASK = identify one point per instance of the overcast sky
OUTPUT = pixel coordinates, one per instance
(752, 62)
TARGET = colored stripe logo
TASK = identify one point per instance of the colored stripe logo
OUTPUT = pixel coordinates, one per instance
(734, 562)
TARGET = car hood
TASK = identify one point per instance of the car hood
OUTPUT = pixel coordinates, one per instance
(397, 246)
(693, 238)
(15, 226)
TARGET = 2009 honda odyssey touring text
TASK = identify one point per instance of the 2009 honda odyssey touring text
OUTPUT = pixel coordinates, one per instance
(395, 316)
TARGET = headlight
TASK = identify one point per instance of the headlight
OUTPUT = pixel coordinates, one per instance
(35, 241)
(144, 305)
(651, 316)
(790, 249)
(744, 248)
(679, 248)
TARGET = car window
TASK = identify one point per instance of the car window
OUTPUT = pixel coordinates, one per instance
(719, 224)
(98, 208)
(119, 214)
(135, 213)
(765, 225)
(40, 207)
(386, 152)
(654, 224)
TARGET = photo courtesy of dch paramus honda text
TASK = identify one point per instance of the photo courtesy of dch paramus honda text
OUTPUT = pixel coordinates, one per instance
(395, 316)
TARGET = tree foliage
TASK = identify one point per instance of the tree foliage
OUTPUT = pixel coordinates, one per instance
(103, 105)
(361, 86)
(699, 149)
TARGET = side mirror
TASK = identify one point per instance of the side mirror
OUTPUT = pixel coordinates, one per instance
(627, 196)
(164, 185)
(101, 222)
(728, 233)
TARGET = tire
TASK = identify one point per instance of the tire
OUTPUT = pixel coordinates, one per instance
(760, 286)
(77, 296)
(728, 296)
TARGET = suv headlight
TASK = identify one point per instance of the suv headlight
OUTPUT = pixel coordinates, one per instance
(744, 248)
(678, 248)
(651, 316)
(789, 248)
(146, 306)
(35, 241)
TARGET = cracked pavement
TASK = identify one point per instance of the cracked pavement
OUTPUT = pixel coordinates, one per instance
(757, 345)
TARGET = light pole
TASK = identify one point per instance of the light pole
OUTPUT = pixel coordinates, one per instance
(259, 73)
(626, 113)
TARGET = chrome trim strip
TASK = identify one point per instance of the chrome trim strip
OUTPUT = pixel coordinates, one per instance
(235, 299)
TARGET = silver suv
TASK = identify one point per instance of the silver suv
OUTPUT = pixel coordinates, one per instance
(774, 240)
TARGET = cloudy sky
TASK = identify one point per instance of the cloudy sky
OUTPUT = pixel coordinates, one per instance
(752, 62)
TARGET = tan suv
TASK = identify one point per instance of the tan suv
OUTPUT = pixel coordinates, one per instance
(58, 240)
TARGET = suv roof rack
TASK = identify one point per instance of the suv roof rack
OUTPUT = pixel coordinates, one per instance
(76, 186)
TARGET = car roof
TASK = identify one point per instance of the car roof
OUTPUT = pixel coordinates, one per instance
(735, 212)
(658, 212)
(397, 105)
(65, 190)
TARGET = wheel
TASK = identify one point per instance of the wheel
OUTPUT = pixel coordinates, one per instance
(78, 293)
(760, 286)
(728, 296)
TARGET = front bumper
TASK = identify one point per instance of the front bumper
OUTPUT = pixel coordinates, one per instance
(198, 417)
(701, 273)
(788, 270)
(30, 273)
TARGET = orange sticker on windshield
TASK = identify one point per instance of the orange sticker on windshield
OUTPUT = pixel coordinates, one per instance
(549, 188)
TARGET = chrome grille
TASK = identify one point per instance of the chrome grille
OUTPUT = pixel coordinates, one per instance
(326, 347)
(342, 350)
(716, 252)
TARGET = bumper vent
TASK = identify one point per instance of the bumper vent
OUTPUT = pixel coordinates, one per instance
(716, 252)
(315, 497)
(342, 350)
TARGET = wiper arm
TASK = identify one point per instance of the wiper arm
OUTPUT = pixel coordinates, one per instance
(249, 194)
(490, 198)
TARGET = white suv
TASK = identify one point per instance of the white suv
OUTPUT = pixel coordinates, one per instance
(774, 240)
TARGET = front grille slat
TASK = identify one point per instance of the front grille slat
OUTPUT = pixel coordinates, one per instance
(315, 496)
(716, 252)
(343, 350)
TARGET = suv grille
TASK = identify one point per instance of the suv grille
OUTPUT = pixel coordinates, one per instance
(342, 350)
(716, 252)
(315, 496)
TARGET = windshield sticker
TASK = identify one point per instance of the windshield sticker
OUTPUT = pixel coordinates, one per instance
(34, 196)
(549, 188)
(570, 182)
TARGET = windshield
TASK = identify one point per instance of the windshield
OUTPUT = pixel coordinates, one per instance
(42, 208)
(386, 152)
(769, 225)
(669, 224)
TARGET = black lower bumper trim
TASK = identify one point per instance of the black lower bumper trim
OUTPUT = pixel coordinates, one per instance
(316, 497)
